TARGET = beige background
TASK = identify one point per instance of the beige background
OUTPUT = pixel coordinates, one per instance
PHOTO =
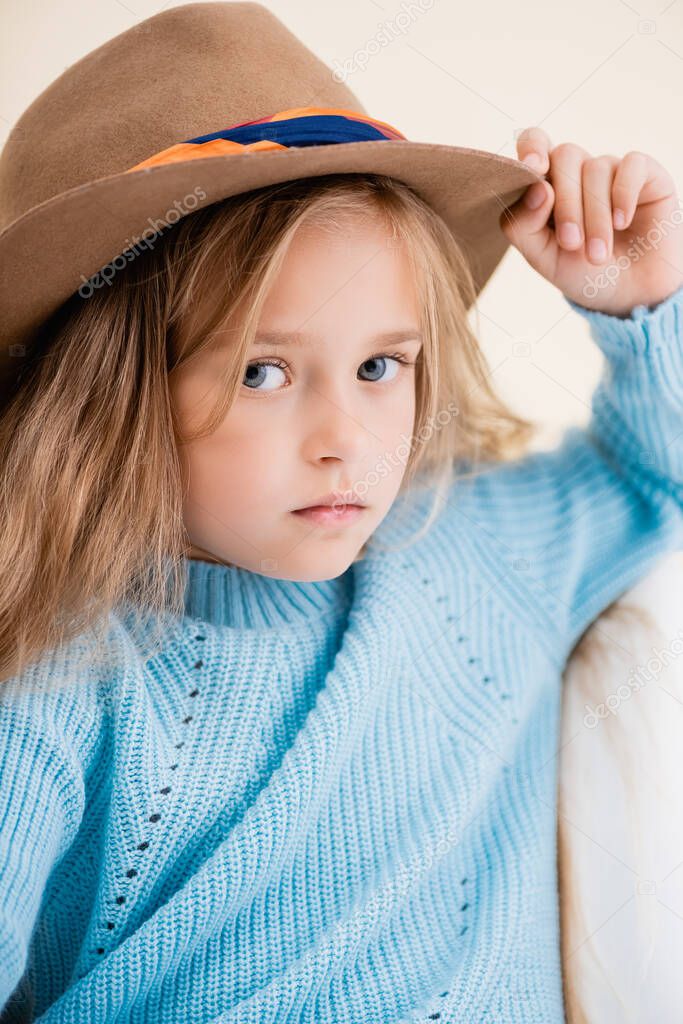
(607, 74)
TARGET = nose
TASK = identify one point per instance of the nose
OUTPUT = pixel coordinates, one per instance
(332, 428)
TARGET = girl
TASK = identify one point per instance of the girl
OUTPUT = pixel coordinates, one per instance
(313, 778)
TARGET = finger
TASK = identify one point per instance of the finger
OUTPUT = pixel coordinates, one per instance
(527, 229)
(638, 179)
(534, 142)
(597, 174)
(565, 176)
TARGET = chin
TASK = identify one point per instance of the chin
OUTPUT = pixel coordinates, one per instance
(323, 568)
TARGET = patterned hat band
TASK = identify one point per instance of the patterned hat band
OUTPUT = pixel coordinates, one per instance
(300, 126)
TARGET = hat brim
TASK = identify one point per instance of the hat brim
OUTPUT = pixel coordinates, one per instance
(49, 252)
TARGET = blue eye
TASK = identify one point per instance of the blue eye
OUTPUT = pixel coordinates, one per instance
(377, 363)
(256, 372)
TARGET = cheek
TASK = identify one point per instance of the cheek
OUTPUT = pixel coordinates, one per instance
(399, 411)
(236, 468)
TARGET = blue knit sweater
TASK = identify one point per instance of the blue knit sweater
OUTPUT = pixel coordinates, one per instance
(335, 801)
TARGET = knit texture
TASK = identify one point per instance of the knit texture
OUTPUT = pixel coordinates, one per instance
(335, 801)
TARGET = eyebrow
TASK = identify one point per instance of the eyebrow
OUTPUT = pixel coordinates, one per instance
(273, 338)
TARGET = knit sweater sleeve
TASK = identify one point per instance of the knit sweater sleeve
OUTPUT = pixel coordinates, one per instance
(43, 736)
(576, 526)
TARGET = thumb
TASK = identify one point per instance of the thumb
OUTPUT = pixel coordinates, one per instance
(528, 230)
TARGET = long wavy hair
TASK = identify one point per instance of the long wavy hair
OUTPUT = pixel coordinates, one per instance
(90, 478)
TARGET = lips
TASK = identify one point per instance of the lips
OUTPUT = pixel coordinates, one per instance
(329, 516)
(335, 500)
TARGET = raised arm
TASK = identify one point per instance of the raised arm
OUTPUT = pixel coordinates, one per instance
(576, 526)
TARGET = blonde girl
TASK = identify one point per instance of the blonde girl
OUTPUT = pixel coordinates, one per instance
(286, 601)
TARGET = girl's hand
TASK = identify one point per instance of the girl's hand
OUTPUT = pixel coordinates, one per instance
(642, 259)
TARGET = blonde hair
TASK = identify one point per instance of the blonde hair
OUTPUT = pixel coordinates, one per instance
(91, 478)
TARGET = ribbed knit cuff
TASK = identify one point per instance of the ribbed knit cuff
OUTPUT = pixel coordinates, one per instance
(646, 329)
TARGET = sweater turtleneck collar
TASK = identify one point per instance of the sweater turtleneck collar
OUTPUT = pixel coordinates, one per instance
(228, 595)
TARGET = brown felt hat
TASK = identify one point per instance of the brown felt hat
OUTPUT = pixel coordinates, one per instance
(195, 104)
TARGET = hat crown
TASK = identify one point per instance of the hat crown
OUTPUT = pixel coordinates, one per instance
(74, 202)
(184, 72)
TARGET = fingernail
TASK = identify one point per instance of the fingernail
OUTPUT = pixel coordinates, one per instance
(619, 219)
(534, 161)
(597, 250)
(534, 196)
(570, 234)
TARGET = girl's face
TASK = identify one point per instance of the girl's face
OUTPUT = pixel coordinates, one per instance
(325, 405)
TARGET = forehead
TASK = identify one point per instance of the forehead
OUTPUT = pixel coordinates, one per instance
(331, 280)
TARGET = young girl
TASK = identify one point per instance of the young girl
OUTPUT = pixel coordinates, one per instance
(307, 770)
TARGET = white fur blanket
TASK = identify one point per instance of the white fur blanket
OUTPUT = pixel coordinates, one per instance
(620, 821)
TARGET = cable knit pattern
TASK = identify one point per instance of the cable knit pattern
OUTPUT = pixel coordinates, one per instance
(334, 801)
